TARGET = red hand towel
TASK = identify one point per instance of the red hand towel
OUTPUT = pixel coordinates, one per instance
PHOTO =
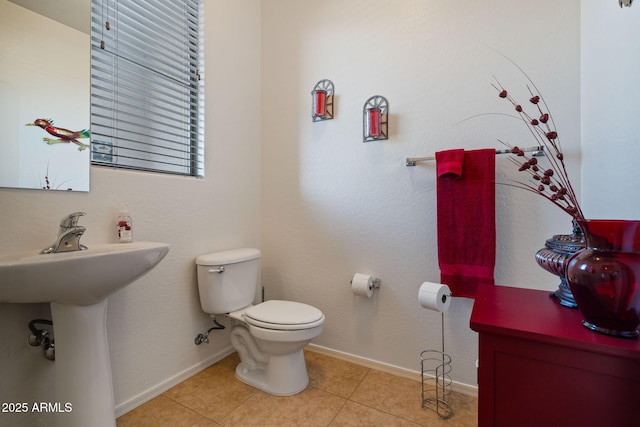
(449, 163)
(466, 220)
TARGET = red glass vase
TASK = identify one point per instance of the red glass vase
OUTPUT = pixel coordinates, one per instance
(604, 278)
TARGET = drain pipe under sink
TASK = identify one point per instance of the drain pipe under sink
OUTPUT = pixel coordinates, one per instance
(41, 338)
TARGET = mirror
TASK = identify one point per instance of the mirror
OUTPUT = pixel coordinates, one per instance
(45, 94)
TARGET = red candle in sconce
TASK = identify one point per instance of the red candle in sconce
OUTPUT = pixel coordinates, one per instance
(374, 122)
(320, 103)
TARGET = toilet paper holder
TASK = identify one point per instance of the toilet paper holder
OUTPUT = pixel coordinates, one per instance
(435, 376)
(364, 284)
(375, 282)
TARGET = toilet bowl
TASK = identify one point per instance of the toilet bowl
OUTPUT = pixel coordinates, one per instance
(269, 337)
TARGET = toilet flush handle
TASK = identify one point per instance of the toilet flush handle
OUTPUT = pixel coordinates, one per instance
(217, 269)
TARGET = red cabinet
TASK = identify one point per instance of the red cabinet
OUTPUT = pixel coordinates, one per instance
(538, 366)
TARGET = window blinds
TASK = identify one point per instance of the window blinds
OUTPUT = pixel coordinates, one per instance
(147, 101)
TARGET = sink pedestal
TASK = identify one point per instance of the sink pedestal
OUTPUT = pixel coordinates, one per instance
(77, 284)
(84, 386)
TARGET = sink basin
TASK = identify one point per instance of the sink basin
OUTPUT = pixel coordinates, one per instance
(75, 278)
(77, 285)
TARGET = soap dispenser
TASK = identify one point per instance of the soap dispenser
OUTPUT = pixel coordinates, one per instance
(125, 233)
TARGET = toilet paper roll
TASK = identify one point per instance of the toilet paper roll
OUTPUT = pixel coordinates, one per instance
(362, 285)
(434, 296)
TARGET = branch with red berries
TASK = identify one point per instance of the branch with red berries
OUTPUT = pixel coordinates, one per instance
(551, 181)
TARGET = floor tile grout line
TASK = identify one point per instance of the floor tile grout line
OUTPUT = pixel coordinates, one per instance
(187, 408)
(359, 383)
(205, 416)
(382, 410)
(377, 408)
(338, 412)
(251, 396)
(190, 409)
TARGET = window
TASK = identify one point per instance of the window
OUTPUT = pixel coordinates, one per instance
(147, 85)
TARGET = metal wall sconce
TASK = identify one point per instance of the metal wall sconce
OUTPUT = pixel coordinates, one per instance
(375, 119)
(322, 101)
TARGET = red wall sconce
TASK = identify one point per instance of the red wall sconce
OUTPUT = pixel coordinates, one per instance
(322, 101)
(375, 117)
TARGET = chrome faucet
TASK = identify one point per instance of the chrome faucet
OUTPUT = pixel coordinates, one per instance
(69, 235)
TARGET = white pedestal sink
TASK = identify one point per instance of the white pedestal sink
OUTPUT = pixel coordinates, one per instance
(77, 285)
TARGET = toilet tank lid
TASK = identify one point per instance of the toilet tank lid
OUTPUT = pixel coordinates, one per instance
(228, 257)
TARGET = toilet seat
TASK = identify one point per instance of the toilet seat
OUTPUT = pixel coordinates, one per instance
(284, 316)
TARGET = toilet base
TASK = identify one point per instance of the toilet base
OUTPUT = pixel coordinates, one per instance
(283, 376)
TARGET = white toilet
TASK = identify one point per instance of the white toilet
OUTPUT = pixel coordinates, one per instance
(269, 337)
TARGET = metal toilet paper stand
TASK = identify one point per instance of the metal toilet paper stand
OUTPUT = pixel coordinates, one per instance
(436, 380)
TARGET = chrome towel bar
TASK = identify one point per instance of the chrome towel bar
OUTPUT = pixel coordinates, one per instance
(537, 151)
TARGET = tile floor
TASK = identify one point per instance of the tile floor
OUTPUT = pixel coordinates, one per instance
(340, 393)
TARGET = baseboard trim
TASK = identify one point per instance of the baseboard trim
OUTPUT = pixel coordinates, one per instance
(172, 381)
(458, 387)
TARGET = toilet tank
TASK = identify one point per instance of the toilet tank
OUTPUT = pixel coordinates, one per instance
(228, 280)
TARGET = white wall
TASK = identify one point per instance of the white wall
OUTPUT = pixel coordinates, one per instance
(610, 110)
(153, 322)
(333, 206)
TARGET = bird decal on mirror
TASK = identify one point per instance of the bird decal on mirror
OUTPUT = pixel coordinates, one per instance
(63, 135)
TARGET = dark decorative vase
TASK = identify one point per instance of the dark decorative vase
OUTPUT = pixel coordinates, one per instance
(604, 278)
(554, 258)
